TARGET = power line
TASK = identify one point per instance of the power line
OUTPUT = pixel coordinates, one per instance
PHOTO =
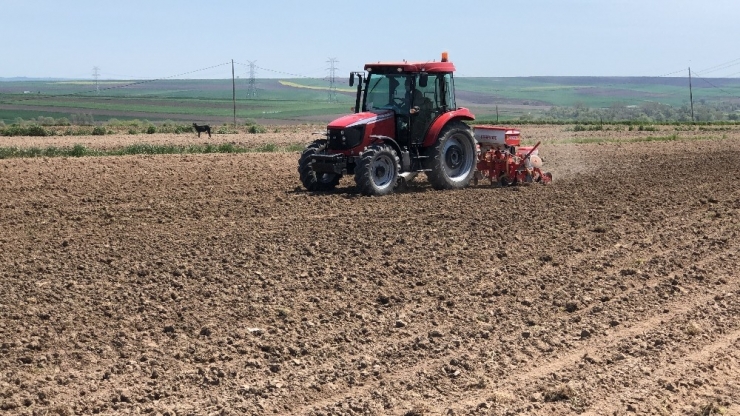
(96, 75)
(233, 90)
(115, 86)
(671, 73)
(108, 75)
(721, 66)
(714, 86)
(708, 70)
(691, 96)
(251, 88)
(281, 72)
(332, 72)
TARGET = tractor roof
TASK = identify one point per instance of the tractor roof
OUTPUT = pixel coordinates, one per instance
(410, 67)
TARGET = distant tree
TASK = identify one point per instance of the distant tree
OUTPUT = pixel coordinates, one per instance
(704, 114)
(82, 119)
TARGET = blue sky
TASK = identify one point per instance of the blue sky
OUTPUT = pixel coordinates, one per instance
(163, 38)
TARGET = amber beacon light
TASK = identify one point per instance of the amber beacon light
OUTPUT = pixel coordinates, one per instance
(444, 57)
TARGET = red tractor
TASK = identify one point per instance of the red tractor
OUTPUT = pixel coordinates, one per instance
(406, 121)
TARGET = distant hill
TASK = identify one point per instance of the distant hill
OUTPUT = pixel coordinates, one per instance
(27, 79)
(597, 91)
(301, 99)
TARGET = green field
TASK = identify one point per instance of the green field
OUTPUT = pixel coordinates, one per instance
(304, 100)
(592, 91)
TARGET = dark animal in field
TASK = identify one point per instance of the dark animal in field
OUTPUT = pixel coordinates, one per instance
(202, 129)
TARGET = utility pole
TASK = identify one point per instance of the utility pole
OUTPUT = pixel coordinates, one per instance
(252, 89)
(691, 97)
(96, 75)
(233, 90)
(332, 80)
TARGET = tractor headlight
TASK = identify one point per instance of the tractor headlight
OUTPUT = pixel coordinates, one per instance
(353, 135)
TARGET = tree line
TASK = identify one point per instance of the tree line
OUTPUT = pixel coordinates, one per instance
(649, 112)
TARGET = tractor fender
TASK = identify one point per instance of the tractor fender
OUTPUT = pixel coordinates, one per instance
(405, 162)
(377, 138)
(461, 113)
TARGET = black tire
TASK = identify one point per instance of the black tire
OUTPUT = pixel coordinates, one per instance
(505, 181)
(452, 158)
(377, 170)
(312, 181)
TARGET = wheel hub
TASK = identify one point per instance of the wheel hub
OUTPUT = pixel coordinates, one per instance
(454, 157)
(379, 172)
(382, 171)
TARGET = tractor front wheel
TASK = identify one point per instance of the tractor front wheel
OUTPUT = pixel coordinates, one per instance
(312, 180)
(377, 170)
(452, 159)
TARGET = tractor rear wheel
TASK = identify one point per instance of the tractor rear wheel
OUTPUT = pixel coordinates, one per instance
(452, 158)
(377, 170)
(312, 180)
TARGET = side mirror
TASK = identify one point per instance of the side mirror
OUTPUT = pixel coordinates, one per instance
(351, 79)
(423, 78)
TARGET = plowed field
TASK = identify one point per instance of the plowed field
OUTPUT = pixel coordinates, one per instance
(213, 284)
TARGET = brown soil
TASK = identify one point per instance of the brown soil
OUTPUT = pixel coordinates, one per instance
(213, 284)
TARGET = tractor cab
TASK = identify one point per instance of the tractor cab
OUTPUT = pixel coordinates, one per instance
(416, 95)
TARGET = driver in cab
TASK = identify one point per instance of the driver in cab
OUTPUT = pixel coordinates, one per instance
(413, 98)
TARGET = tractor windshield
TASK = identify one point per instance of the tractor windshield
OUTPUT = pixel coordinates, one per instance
(389, 91)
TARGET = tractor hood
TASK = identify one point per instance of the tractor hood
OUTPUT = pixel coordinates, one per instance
(357, 119)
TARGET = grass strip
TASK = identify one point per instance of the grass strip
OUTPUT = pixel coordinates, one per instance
(669, 138)
(80, 150)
